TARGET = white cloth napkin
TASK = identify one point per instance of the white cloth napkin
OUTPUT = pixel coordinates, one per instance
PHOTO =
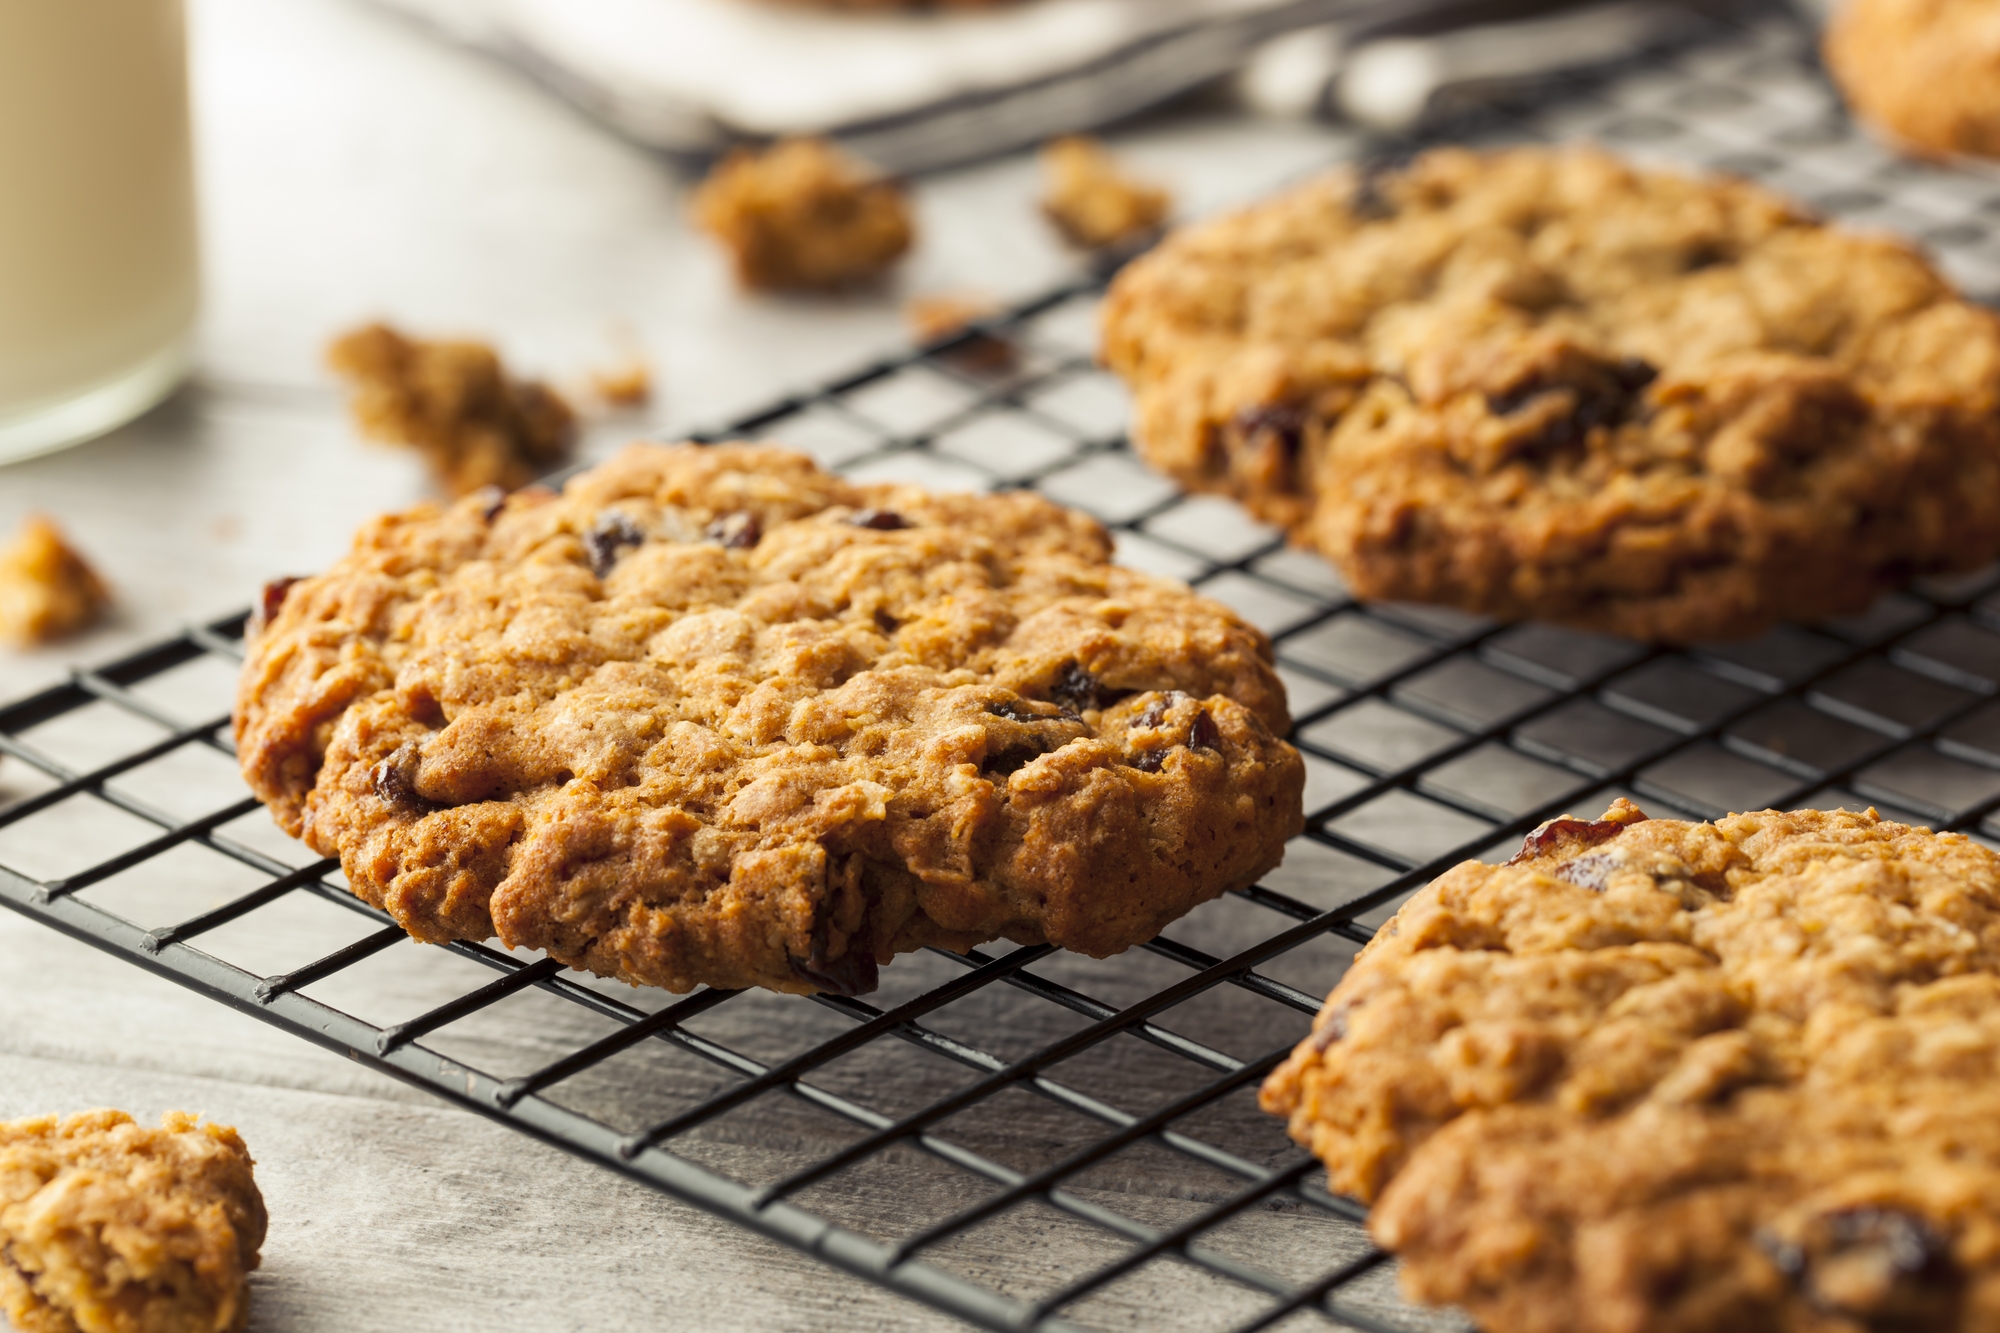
(912, 90)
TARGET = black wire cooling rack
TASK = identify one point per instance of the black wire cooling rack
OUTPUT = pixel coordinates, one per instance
(1022, 1138)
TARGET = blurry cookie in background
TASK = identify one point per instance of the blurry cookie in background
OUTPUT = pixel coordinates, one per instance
(1094, 204)
(804, 216)
(454, 402)
(1545, 384)
(110, 1227)
(1925, 71)
(47, 590)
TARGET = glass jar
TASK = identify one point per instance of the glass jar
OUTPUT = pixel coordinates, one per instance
(99, 277)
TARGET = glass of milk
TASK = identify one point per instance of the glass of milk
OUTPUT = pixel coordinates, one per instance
(98, 266)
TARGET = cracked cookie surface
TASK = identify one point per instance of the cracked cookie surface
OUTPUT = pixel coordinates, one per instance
(107, 1226)
(714, 716)
(1541, 383)
(1655, 1075)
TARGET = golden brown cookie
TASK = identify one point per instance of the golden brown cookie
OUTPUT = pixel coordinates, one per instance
(1654, 1076)
(1927, 71)
(715, 716)
(109, 1227)
(456, 404)
(804, 216)
(1542, 383)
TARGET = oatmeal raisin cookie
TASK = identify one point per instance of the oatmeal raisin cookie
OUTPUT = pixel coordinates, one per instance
(1664, 1077)
(714, 716)
(1543, 383)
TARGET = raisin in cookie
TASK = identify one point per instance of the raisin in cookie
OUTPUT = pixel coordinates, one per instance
(1927, 71)
(109, 1227)
(1542, 383)
(1654, 1075)
(714, 716)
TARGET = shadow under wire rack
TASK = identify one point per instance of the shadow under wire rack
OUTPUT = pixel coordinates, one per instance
(1023, 1138)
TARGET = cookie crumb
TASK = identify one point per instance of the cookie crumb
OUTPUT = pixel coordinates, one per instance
(804, 216)
(1092, 203)
(629, 385)
(454, 402)
(47, 590)
(935, 318)
(105, 1224)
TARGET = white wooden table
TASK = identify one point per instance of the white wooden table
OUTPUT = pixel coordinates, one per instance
(352, 168)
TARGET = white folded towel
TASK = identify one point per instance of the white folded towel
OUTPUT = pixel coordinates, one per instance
(912, 90)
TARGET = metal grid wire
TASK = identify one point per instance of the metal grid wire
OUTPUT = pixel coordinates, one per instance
(1024, 1138)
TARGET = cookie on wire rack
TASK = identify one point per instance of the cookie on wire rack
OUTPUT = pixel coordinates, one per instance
(1542, 383)
(1654, 1076)
(713, 716)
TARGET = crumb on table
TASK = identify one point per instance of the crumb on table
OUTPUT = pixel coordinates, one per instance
(627, 385)
(935, 318)
(454, 402)
(1091, 202)
(107, 1226)
(47, 590)
(803, 215)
